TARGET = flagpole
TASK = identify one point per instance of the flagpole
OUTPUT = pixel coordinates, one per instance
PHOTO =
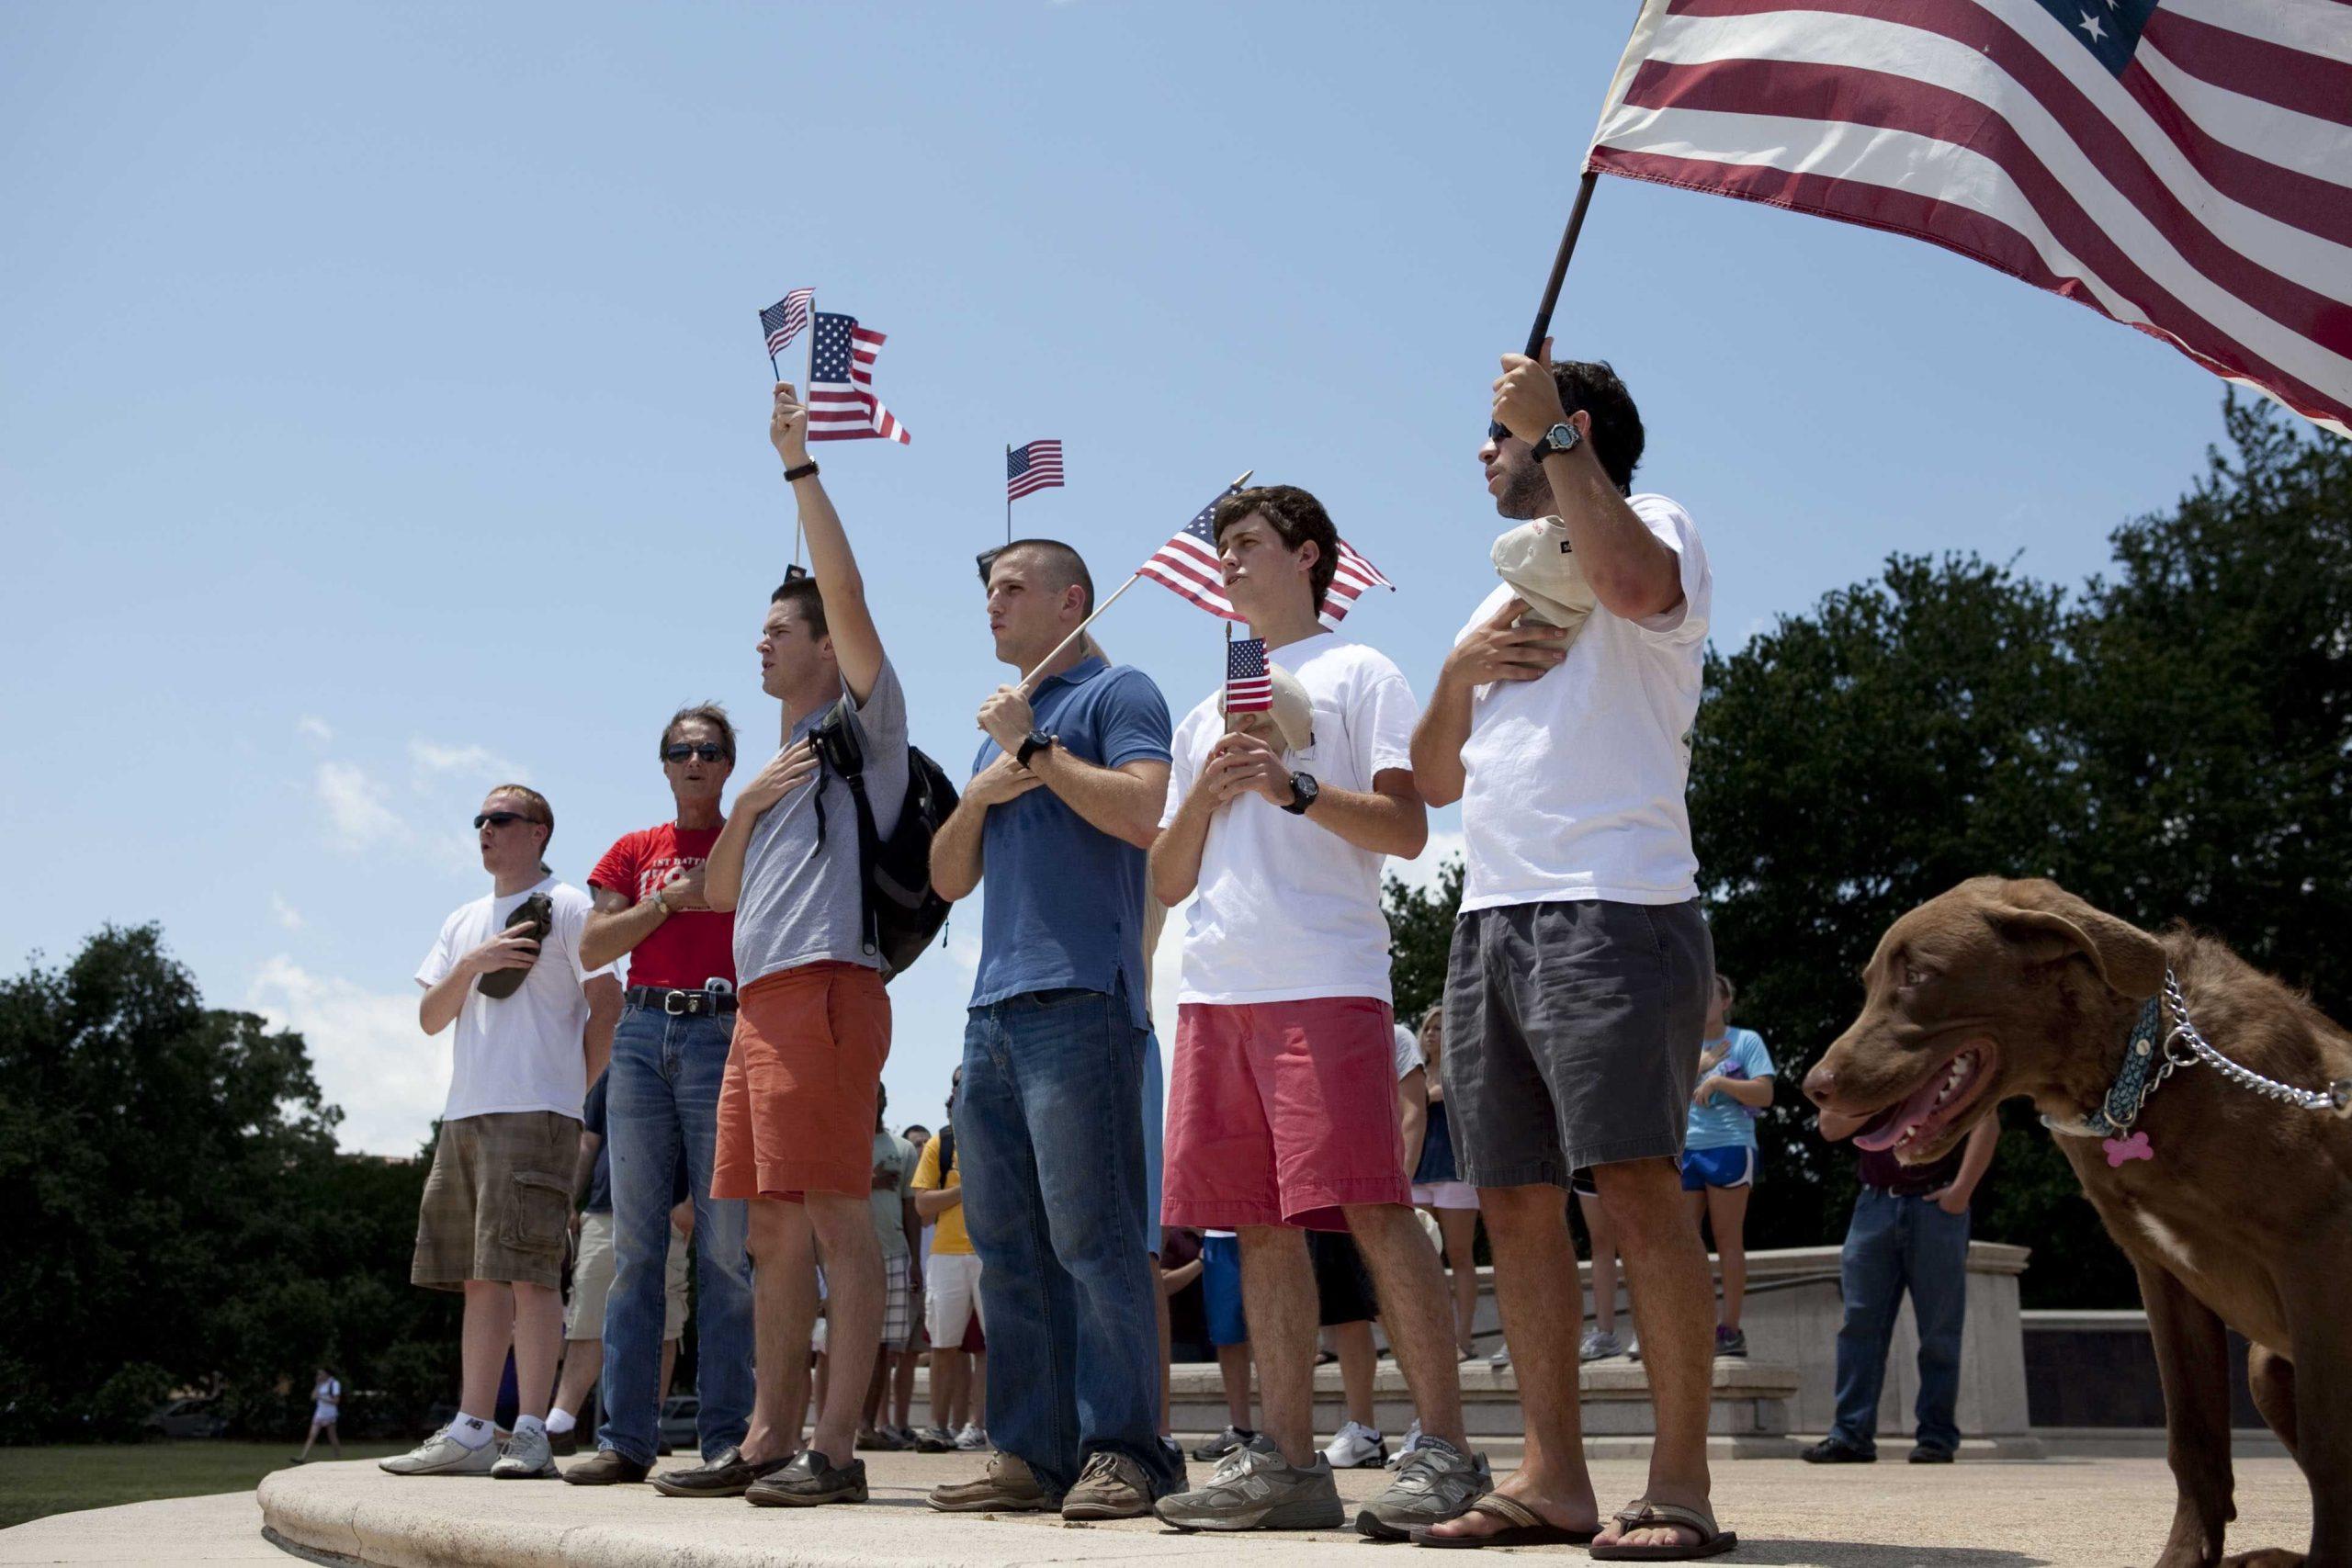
(804, 396)
(1007, 493)
(1080, 630)
(1542, 327)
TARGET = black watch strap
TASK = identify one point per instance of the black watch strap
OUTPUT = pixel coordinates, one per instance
(804, 471)
(1037, 741)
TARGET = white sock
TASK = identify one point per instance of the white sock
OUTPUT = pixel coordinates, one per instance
(560, 1421)
(527, 1423)
(471, 1430)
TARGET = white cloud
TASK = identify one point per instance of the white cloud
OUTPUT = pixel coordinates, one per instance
(435, 760)
(356, 806)
(1167, 964)
(370, 1057)
(311, 727)
(287, 914)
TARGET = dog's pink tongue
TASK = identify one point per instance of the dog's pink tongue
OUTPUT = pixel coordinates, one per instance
(1888, 1124)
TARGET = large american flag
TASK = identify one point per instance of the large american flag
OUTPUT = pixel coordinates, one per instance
(1188, 565)
(784, 320)
(1249, 685)
(1033, 467)
(2183, 167)
(842, 404)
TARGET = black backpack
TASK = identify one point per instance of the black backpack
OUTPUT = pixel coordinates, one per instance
(902, 914)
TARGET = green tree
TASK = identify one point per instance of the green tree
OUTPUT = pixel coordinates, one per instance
(184, 1215)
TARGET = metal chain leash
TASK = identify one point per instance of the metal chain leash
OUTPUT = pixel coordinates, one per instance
(2336, 1097)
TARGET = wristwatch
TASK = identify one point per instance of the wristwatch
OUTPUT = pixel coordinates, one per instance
(806, 470)
(1302, 791)
(661, 896)
(1036, 740)
(1561, 437)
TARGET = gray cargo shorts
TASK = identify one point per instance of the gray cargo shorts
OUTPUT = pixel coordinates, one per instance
(1572, 1036)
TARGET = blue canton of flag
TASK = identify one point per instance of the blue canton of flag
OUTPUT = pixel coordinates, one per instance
(2109, 28)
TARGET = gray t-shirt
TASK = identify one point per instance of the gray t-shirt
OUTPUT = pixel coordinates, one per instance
(803, 904)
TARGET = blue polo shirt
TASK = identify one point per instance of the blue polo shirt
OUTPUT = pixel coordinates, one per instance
(1062, 902)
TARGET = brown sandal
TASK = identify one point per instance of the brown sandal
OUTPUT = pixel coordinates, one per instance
(1522, 1526)
(1714, 1541)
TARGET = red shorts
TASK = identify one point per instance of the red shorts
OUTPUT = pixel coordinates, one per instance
(797, 1103)
(1280, 1113)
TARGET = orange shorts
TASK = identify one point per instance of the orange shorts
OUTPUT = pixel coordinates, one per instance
(797, 1106)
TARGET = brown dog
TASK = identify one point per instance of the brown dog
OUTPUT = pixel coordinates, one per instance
(2234, 1208)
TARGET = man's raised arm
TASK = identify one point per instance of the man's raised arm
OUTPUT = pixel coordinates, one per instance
(857, 647)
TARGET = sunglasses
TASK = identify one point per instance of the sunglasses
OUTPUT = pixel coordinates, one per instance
(703, 750)
(1497, 431)
(499, 818)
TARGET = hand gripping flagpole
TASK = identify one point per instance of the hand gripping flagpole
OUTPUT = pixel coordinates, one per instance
(1080, 630)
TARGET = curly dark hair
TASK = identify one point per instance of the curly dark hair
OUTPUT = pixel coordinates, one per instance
(1296, 516)
(1617, 439)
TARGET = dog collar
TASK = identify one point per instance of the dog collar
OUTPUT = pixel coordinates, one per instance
(2134, 1081)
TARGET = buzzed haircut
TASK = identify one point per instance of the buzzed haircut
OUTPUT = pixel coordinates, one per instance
(708, 713)
(541, 812)
(800, 591)
(1297, 517)
(1060, 565)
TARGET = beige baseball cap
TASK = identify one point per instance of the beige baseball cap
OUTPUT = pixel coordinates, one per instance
(1541, 565)
(1291, 720)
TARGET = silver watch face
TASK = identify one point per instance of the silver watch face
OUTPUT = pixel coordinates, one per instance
(1561, 437)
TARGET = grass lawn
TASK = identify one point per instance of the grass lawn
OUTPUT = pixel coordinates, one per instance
(35, 1482)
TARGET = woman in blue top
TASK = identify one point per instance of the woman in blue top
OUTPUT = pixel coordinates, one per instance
(1719, 1147)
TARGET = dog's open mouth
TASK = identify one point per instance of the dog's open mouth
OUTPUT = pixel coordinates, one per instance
(1930, 1108)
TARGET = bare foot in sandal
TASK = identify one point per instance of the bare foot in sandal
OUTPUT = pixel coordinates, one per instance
(1649, 1532)
(1517, 1514)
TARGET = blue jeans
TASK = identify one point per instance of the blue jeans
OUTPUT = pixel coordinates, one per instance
(662, 1097)
(1892, 1244)
(1050, 1140)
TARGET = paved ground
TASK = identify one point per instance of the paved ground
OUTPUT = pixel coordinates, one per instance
(2064, 1514)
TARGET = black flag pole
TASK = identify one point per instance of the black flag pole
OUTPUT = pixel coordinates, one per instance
(1542, 327)
(1007, 493)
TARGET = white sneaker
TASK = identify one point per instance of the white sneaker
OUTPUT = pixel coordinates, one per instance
(971, 1440)
(1412, 1441)
(442, 1454)
(1357, 1446)
(1600, 1347)
(1500, 1359)
(528, 1456)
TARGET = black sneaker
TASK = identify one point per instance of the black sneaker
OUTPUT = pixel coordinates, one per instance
(1836, 1451)
(1923, 1454)
(728, 1475)
(1224, 1443)
(810, 1479)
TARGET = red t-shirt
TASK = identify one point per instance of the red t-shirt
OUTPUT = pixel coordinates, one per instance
(691, 946)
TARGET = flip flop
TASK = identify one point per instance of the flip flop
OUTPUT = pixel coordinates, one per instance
(1521, 1526)
(1713, 1542)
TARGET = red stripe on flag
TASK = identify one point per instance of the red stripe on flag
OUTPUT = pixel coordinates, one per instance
(2290, 78)
(1854, 96)
(1981, 238)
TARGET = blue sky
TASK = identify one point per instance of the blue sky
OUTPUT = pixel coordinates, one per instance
(382, 410)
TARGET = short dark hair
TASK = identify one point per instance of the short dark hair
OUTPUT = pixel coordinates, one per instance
(1296, 516)
(1062, 562)
(799, 588)
(1617, 439)
(911, 1128)
(710, 714)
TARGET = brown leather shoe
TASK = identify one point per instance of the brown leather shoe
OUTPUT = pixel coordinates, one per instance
(1111, 1486)
(610, 1468)
(1008, 1487)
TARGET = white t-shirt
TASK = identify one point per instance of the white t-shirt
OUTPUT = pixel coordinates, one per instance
(523, 1051)
(1574, 781)
(1408, 1052)
(1285, 908)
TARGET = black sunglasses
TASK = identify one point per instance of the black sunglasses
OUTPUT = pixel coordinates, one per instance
(1497, 431)
(499, 818)
(705, 749)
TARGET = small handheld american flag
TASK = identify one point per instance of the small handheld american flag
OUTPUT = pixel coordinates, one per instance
(1033, 467)
(842, 404)
(1188, 565)
(1249, 685)
(783, 321)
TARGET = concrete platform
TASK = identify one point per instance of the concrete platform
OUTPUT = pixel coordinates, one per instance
(2104, 1514)
(174, 1532)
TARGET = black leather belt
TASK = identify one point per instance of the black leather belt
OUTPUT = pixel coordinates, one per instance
(681, 1004)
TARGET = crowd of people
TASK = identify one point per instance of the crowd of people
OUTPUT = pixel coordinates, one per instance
(1309, 1166)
